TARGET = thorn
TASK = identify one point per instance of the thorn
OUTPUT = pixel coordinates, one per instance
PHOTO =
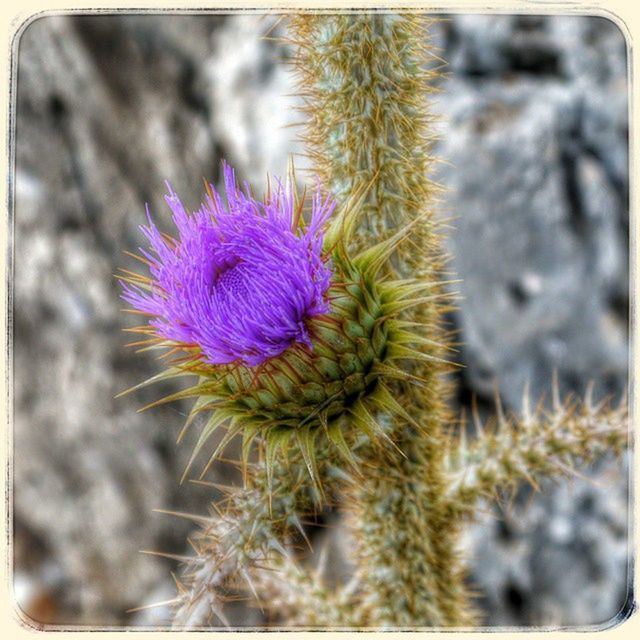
(217, 611)
(155, 604)
(217, 509)
(475, 415)
(171, 556)
(529, 477)
(527, 416)
(572, 471)
(555, 391)
(245, 574)
(463, 431)
(498, 402)
(298, 525)
(185, 516)
(588, 399)
(224, 488)
(323, 561)
(624, 398)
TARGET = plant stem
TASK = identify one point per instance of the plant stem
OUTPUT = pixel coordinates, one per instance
(365, 83)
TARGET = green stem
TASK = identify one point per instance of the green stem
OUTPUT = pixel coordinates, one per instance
(365, 85)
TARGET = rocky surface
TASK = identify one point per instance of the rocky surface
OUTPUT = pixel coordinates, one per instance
(558, 558)
(534, 135)
(538, 192)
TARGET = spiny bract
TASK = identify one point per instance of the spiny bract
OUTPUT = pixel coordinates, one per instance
(288, 335)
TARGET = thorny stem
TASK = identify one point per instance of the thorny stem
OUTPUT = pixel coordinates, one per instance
(248, 530)
(365, 82)
(528, 448)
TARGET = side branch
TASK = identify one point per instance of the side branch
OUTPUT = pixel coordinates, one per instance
(249, 530)
(529, 447)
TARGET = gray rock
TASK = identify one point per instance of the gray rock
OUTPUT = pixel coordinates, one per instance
(539, 245)
(560, 558)
(254, 108)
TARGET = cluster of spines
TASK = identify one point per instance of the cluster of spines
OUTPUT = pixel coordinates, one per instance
(244, 535)
(300, 596)
(529, 447)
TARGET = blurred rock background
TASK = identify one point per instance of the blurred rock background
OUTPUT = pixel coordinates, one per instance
(534, 132)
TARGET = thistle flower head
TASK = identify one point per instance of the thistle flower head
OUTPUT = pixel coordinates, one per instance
(242, 280)
(290, 337)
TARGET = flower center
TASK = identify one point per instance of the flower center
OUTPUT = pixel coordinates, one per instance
(231, 278)
(234, 281)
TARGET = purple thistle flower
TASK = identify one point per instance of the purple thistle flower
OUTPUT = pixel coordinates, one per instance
(240, 281)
